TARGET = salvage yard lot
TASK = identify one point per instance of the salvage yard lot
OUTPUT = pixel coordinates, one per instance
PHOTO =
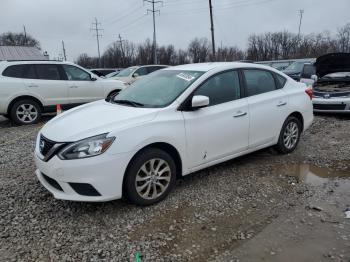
(262, 206)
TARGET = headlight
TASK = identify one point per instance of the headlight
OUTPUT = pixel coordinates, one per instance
(88, 147)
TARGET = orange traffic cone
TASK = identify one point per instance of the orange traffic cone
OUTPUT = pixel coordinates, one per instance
(58, 109)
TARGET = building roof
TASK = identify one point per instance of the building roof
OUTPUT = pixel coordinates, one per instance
(21, 53)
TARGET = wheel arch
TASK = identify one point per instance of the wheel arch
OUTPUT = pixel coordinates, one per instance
(300, 117)
(13, 101)
(168, 148)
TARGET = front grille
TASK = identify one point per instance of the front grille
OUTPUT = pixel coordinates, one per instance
(330, 95)
(52, 182)
(329, 106)
(84, 189)
(45, 145)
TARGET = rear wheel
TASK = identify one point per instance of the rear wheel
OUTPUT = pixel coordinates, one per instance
(289, 136)
(25, 112)
(150, 177)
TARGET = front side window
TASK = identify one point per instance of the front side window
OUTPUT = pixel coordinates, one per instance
(29, 72)
(48, 72)
(158, 89)
(76, 74)
(221, 88)
(258, 81)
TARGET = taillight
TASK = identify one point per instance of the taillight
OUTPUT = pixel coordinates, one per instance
(309, 92)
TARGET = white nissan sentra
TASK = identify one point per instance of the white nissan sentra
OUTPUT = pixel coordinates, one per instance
(170, 123)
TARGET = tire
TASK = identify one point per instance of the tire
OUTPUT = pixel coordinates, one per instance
(25, 112)
(289, 136)
(147, 190)
(112, 95)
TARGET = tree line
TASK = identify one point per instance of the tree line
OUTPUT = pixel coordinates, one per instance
(260, 47)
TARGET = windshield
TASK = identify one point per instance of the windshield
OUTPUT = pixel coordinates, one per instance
(296, 66)
(127, 71)
(158, 89)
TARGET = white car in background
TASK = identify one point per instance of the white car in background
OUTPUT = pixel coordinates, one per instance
(30, 88)
(166, 125)
(131, 74)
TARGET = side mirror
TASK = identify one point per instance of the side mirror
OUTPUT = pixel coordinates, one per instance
(199, 101)
(135, 75)
(93, 78)
(314, 77)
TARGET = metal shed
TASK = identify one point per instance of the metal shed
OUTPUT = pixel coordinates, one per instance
(21, 53)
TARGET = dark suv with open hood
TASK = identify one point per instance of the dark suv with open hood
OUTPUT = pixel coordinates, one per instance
(330, 77)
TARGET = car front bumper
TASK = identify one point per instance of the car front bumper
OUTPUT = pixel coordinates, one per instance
(331, 105)
(94, 179)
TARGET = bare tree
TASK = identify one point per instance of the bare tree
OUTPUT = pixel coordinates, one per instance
(18, 39)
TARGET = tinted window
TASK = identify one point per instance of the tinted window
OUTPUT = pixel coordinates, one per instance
(141, 71)
(259, 81)
(47, 72)
(14, 71)
(76, 74)
(221, 88)
(308, 71)
(151, 69)
(29, 72)
(281, 81)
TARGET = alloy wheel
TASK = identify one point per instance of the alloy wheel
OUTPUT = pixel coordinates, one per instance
(290, 135)
(27, 113)
(153, 178)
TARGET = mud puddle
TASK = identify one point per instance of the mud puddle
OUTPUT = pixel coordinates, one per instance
(310, 174)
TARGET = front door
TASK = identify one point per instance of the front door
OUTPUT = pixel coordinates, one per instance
(221, 129)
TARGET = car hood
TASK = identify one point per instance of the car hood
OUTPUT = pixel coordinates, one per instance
(290, 72)
(332, 63)
(95, 118)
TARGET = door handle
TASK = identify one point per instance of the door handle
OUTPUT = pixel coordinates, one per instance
(281, 103)
(73, 87)
(239, 114)
(32, 85)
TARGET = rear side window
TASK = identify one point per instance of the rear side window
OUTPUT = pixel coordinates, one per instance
(14, 71)
(258, 81)
(221, 88)
(280, 81)
(29, 72)
(48, 72)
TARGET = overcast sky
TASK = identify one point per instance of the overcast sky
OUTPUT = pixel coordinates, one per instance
(51, 21)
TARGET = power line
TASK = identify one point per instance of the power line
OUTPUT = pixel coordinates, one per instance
(153, 11)
(96, 27)
(212, 28)
(301, 12)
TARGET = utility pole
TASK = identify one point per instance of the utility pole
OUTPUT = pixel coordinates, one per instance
(25, 35)
(64, 51)
(153, 11)
(120, 41)
(96, 27)
(212, 28)
(301, 12)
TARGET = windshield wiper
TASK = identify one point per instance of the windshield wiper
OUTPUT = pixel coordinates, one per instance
(128, 102)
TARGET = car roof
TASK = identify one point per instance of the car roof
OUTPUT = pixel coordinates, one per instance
(205, 67)
(21, 62)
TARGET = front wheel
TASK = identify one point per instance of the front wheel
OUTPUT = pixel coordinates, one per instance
(289, 136)
(150, 177)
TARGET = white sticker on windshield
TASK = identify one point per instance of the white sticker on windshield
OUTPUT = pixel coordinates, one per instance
(185, 76)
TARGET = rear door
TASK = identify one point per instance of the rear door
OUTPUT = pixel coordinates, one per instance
(221, 129)
(268, 105)
(47, 82)
(81, 89)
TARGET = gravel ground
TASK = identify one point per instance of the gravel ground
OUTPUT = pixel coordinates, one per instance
(248, 209)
